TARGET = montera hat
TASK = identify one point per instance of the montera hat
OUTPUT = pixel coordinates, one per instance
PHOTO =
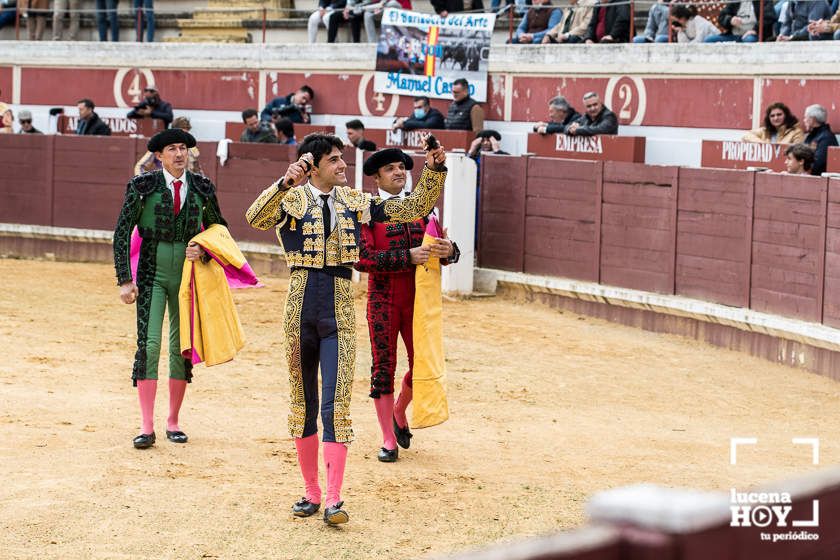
(170, 136)
(384, 157)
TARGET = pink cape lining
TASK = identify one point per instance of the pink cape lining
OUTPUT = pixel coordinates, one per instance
(433, 227)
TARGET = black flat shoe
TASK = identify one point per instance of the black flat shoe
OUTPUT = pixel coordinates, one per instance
(335, 515)
(388, 455)
(176, 437)
(403, 435)
(144, 441)
(304, 508)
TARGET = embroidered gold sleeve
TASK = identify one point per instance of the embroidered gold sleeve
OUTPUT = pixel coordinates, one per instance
(266, 211)
(413, 207)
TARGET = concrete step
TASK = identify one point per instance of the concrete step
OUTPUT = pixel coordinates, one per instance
(208, 39)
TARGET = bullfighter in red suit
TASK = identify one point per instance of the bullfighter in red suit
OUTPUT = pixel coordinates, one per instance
(389, 253)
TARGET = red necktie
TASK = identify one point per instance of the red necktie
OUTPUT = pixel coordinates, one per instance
(176, 184)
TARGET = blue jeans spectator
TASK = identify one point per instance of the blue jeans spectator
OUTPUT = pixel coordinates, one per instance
(7, 16)
(146, 9)
(106, 16)
(729, 38)
(642, 39)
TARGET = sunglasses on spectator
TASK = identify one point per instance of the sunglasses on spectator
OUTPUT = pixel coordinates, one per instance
(27, 121)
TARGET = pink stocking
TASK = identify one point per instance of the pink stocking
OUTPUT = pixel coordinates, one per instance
(147, 389)
(402, 402)
(177, 388)
(335, 457)
(384, 412)
(307, 452)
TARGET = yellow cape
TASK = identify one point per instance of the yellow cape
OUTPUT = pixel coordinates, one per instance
(429, 405)
(210, 327)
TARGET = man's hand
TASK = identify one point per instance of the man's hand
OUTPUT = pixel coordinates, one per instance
(736, 21)
(442, 248)
(541, 129)
(346, 13)
(495, 144)
(398, 123)
(526, 38)
(436, 158)
(193, 252)
(572, 128)
(322, 12)
(128, 292)
(783, 38)
(475, 146)
(607, 39)
(296, 172)
(420, 255)
(444, 13)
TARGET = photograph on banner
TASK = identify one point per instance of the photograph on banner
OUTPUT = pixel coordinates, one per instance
(422, 54)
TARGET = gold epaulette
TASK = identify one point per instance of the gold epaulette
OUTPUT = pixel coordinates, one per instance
(294, 203)
(356, 201)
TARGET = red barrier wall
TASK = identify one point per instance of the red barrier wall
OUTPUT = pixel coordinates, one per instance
(714, 235)
(831, 299)
(502, 212)
(563, 218)
(638, 226)
(27, 178)
(788, 249)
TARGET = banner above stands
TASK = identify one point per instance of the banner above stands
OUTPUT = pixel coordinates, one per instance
(421, 54)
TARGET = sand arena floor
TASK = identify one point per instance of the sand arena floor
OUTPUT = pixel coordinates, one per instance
(547, 408)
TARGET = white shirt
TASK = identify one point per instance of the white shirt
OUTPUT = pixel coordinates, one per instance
(182, 191)
(330, 202)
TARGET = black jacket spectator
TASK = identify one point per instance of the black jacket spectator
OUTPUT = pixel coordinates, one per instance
(820, 139)
(799, 14)
(616, 19)
(432, 120)
(94, 126)
(605, 123)
(731, 10)
(284, 107)
(160, 110)
(453, 6)
(558, 128)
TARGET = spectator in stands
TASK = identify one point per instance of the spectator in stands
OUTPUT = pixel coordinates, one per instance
(285, 131)
(8, 12)
(445, 7)
(597, 120)
(7, 119)
(25, 120)
(356, 135)
(256, 131)
(424, 116)
(799, 159)
(346, 15)
(325, 12)
(740, 22)
(657, 28)
(820, 137)
(153, 107)
(35, 12)
(560, 115)
(144, 13)
(780, 127)
(690, 26)
(799, 14)
(106, 18)
(374, 9)
(486, 142)
(464, 112)
(574, 23)
(536, 23)
(295, 106)
(150, 162)
(61, 7)
(820, 29)
(89, 122)
(610, 22)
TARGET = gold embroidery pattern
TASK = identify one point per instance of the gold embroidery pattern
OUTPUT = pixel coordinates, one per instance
(264, 212)
(295, 202)
(355, 200)
(291, 321)
(345, 318)
(421, 200)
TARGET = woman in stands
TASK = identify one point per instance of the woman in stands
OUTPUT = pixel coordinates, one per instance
(780, 127)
